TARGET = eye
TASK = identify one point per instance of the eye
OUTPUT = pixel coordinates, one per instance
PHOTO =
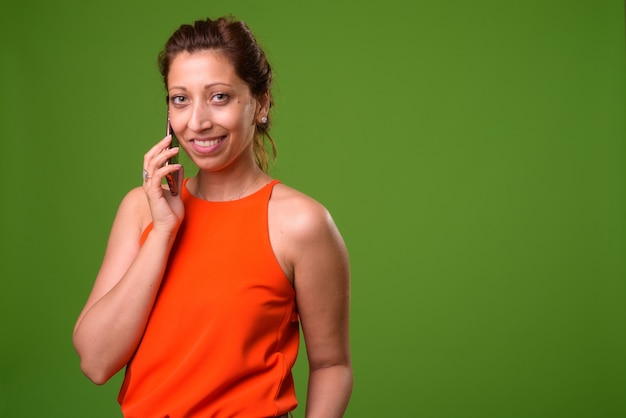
(220, 97)
(178, 100)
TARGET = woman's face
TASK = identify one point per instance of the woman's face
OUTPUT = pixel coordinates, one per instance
(212, 111)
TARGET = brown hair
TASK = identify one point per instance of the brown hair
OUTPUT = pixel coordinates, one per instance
(235, 41)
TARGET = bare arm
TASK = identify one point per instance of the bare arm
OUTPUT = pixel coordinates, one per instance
(113, 320)
(321, 276)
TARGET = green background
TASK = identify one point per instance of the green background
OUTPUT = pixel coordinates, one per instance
(471, 152)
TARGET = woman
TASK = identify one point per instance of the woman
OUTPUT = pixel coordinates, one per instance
(201, 294)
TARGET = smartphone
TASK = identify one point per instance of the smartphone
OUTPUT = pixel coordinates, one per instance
(172, 179)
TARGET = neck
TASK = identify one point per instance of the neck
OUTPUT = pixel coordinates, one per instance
(222, 187)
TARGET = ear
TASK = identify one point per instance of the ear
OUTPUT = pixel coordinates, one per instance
(263, 106)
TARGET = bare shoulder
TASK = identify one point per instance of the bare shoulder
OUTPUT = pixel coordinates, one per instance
(135, 197)
(134, 208)
(298, 213)
(301, 230)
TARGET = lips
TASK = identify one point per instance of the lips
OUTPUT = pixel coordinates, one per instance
(207, 145)
(208, 142)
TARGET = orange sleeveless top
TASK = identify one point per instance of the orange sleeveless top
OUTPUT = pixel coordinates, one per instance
(223, 334)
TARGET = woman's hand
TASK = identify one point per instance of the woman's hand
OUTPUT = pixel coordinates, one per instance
(167, 211)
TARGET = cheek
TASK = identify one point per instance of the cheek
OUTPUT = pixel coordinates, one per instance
(177, 128)
(240, 120)
(177, 123)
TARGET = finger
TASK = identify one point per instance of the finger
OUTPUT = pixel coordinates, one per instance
(164, 143)
(165, 171)
(156, 150)
(156, 157)
(164, 156)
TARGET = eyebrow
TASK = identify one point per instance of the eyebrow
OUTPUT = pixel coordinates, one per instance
(207, 86)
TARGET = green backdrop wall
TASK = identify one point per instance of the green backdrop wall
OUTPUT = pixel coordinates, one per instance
(472, 154)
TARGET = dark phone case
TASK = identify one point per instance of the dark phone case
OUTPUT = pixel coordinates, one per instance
(172, 179)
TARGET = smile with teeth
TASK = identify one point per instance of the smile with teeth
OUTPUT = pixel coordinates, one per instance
(208, 142)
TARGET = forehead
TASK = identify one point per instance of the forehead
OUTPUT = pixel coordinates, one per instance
(206, 66)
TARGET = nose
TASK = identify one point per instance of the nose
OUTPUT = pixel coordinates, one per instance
(200, 118)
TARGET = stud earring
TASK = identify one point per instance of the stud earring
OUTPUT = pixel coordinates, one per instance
(264, 119)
